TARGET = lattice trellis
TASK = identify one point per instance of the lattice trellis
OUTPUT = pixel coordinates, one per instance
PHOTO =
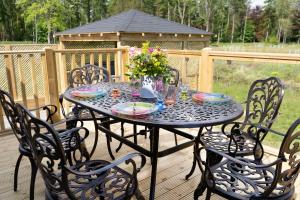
(188, 67)
(193, 45)
(26, 67)
(89, 44)
(163, 45)
(3, 78)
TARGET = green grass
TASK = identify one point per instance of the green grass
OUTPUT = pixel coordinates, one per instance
(292, 48)
(235, 79)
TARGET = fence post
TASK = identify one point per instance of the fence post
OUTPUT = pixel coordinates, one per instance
(205, 83)
(10, 71)
(125, 61)
(52, 81)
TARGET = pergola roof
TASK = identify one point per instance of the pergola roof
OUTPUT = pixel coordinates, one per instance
(134, 21)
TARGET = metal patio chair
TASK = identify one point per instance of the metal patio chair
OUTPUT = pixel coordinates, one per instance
(13, 117)
(244, 178)
(88, 74)
(264, 99)
(92, 179)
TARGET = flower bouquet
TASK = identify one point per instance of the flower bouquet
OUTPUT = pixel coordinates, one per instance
(148, 64)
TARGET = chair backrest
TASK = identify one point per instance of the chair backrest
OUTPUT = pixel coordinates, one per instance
(88, 74)
(174, 76)
(11, 113)
(47, 151)
(287, 172)
(263, 102)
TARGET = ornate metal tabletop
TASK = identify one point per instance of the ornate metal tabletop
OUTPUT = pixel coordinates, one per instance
(183, 114)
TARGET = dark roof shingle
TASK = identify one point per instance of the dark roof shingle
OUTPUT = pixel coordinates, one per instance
(134, 21)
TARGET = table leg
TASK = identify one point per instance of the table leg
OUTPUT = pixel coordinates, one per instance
(155, 143)
(108, 141)
(135, 133)
(196, 147)
(96, 133)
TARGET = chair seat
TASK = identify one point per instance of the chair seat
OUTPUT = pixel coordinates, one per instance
(69, 144)
(242, 182)
(112, 184)
(220, 142)
(84, 114)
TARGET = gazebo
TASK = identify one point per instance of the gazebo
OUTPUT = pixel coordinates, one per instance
(131, 28)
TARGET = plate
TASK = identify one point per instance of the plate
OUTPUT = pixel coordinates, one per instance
(210, 97)
(134, 108)
(88, 92)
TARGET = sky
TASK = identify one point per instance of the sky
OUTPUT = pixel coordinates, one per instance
(257, 2)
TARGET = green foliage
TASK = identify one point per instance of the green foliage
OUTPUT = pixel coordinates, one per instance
(235, 80)
(148, 62)
(272, 40)
(47, 15)
(249, 32)
(39, 19)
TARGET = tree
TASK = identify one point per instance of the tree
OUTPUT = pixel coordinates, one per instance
(45, 14)
(295, 23)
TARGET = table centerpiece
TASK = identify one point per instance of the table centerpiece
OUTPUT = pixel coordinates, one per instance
(150, 66)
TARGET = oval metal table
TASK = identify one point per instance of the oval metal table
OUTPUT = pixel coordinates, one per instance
(183, 114)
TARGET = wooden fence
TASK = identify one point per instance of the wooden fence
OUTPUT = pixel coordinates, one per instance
(37, 77)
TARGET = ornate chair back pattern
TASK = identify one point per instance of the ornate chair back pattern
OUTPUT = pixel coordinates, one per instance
(11, 113)
(47, 151)
(287, 172)
(264, 99)
(88, 74)
(257, 180)
(174, 76)
(78, 181)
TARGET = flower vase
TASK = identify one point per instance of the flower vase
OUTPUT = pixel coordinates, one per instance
(147, 87)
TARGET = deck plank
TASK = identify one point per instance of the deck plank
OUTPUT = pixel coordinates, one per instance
(170, 174)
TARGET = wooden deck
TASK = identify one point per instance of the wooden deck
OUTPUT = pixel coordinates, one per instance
(170, 182)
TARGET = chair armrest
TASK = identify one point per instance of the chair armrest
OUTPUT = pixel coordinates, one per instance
(127, 159)
(251, 125)
(68, 120)
(238, 161)
(72, 132)
(51, 110)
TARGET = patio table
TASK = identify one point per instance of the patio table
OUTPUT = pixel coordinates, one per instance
(182, 114)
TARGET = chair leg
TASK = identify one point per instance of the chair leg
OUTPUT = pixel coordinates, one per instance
(196, 147)
(194, 162)
(201, 188)
(208, 194)
(108, 141)
(138, 195)
(16, 172)
(145, 132)
(33, 177)
(175, 137)
(122, 134)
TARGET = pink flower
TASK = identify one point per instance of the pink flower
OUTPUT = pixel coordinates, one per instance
(131, 51)
(150, 50)
(138, 52)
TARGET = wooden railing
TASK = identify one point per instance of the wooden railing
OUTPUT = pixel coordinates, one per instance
(36, 78)
(29, 70)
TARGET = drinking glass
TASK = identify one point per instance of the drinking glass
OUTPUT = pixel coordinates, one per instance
(160, 92)
(135, 87)
(184, 88)
(170, 98)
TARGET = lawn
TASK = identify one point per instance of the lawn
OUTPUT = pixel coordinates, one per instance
(292, 48)
(236, 77)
